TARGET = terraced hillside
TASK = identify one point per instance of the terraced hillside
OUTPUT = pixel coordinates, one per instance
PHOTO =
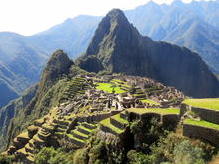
(92, 105)
(203, 123)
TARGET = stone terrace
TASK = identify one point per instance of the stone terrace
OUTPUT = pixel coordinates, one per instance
(205, 124)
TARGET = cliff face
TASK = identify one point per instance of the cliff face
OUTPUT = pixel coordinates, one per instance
(58, 65)
(120, 48)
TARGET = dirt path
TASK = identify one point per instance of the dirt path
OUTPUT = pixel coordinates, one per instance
(215, 160)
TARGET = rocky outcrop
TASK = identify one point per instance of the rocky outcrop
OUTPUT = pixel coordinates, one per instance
(91, 64)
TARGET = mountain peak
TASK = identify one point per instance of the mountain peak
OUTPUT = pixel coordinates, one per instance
(58, 64)
(114, 26)
(116, 16)
(115, 13)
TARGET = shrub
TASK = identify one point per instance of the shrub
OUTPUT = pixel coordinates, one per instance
(81, 156)
(49, 155)
(135, 157)
(186, 153)
(97, 153)
(6, 159)
(178, 149)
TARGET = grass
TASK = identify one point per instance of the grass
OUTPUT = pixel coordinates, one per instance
(119, 119)
(201, 123)
(79, 133)
(36, 138)
(22, 150)
(162, 111)
(107, 123)
(40, 121)
(149, 102)
(72, 137)
(27, 146)
(23, 135)
(108, 87)
(32, 128)
(138, 94)
(120, 82)
(211, 103)
(46, 126)
(84, 128)
(92, 125)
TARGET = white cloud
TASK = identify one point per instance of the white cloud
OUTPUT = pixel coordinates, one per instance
(31, 16)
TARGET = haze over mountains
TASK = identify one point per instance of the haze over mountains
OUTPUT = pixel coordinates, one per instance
(194, 25)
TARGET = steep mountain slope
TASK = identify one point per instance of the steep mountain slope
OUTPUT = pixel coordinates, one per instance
(120, 48)
(20, 65)
(37, 100)
(198, 36)
(193, 25)
(22, 58)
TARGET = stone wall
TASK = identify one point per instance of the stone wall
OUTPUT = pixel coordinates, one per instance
(183, 109)
(170, 120)
(137, 116)
(203, 133)
(117, 124)
(207, 114)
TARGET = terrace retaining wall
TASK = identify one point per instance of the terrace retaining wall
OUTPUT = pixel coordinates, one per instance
(205, 114)
(170, 120)
(203, 133)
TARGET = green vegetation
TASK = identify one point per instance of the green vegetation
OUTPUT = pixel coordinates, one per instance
(107, 123)
(186, 153)
(150, 102)
(110, 88)
(74, 138)
(151, 133)
(201, 123)
(120, 83)
(48, 155)
(211, 103)
(135, 157)
(119, 119)
(6, 159)
(80, 134)
(162, 111)
(23, 135)
(174, 148)
(84, 128)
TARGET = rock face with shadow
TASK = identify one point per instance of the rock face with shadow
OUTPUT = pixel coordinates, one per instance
(120, 48)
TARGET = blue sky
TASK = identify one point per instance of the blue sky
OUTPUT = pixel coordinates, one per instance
(28, 17)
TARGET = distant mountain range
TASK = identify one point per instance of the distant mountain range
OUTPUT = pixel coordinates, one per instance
(193, 25)
(20, 65)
